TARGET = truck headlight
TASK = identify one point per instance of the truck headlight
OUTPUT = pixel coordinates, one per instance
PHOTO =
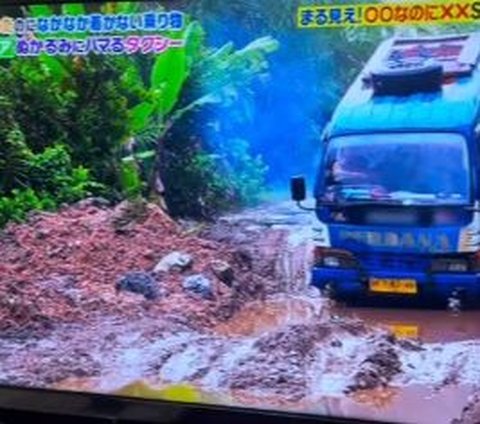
(334, 258)
(331, 261)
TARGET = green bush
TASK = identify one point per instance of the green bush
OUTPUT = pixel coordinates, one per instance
(84, 107)
(202, 185)
(51, 180)
(245, 172)
(21, 202)
(14, 153)
(53, 172)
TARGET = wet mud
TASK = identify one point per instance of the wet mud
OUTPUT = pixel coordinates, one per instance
(260, 338)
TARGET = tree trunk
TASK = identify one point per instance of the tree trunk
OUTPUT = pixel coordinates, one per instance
(156, 187)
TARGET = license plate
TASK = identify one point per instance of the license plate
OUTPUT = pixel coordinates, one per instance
(405, 331)
(388, 285)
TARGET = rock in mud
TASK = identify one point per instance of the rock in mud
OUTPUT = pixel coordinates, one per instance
(278, 361)
(286, 378)
(200, 285)
(174, 261)
(471, 412)
(336, 343)
(411, 345)
(139, 283)
(243, 259)
(96, 202)
(223, 271)
(127, 213)
(378, 369)
(298, 338)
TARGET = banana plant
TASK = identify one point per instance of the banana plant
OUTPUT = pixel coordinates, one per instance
(217, 73)
(168, 74)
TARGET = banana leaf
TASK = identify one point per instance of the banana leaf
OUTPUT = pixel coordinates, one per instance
(140, 116)
(194, 39)
(130, 180)
(168, 74)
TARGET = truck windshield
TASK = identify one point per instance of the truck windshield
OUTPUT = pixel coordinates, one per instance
(400, 168)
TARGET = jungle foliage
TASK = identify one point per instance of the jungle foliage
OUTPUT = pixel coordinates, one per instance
(75, 127)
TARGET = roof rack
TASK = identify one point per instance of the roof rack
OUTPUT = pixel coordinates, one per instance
(407, 65)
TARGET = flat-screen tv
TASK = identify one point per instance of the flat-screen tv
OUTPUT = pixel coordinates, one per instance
(270, 204)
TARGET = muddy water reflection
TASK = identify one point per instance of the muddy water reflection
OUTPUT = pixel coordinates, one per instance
(432, 326)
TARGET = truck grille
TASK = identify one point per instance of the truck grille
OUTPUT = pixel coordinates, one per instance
(394, 262)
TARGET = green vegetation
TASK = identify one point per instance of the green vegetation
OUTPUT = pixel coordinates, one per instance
(42, 181)
(110, 126)
(186, 129)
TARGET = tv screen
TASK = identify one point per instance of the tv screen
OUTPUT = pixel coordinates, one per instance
(266, 204)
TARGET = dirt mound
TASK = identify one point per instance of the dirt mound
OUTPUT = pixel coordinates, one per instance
(277, 365)
(378, 369)
(263, 253)
(63, 267)
(299, 338)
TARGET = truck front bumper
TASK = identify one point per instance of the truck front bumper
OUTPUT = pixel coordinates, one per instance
(350, 284)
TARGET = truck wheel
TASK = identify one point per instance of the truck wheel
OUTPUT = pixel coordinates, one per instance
(328, 292)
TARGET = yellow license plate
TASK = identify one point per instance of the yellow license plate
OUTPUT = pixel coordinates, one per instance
(386, 285)
(405, 331)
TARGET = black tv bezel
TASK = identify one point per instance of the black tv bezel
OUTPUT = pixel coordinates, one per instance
(116, 408)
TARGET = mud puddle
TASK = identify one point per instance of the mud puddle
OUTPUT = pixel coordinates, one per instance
(440, 400)
(259, 318)
(426, 325)
(420, 394)
(415, 405)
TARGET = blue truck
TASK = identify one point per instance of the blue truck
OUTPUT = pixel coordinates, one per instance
(398, 187)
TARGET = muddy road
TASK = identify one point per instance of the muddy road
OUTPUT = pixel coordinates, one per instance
(263, 338)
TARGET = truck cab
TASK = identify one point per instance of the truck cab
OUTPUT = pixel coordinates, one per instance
(397, 192)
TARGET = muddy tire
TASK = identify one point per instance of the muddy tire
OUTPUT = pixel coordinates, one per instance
(331, 294)
(328, 292)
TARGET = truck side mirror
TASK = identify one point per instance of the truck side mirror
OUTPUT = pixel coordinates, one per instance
(298, 189)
